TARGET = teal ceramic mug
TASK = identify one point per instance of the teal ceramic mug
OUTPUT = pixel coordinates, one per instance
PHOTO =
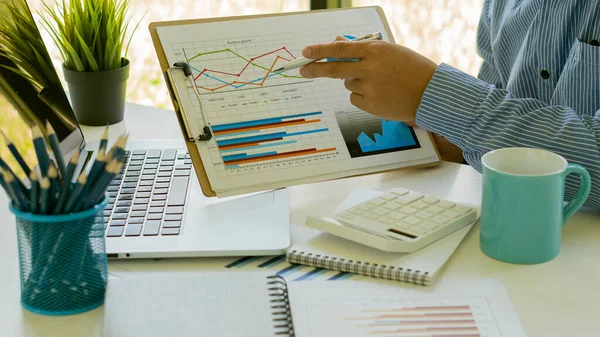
(522, 210)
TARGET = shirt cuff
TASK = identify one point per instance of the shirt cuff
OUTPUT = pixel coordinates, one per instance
(450, 102)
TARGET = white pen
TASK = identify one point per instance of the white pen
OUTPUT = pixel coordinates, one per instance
(302, 61)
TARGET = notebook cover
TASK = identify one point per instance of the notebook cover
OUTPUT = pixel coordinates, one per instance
(420, 267)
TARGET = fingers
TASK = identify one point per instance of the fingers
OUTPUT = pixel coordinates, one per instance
(359, 101)
(341, 38)
(332, 70)
(337, 49)
(355, 85)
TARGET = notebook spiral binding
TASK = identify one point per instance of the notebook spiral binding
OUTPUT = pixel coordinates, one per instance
(280, 306)
(358, 267)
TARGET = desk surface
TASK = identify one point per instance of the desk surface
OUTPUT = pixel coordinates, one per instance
(558, 298)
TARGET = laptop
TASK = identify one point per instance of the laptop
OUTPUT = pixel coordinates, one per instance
(156, 208)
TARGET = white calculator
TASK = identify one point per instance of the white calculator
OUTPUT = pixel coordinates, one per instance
(398, 220)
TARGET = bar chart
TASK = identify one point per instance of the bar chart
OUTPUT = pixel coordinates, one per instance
(461, 317)
(281, 267)
(367, 135)
(256, 141)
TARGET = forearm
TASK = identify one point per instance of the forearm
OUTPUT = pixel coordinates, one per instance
(478, 118)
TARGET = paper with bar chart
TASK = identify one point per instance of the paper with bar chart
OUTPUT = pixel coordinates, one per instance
(276, 129)
(470, 317)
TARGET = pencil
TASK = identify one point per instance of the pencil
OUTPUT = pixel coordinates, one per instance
(16, 154)
(118, 148)
(3, 184)
(4, 166)
(58, 156)
(44, 195)
(53, 176)
(66, 182)
(81, 181)
(40, 149)
(35, 190)
(104, 141)
(19, 199)
(97, 167)
(95, 195)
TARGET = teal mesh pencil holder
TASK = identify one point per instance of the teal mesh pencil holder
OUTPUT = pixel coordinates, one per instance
(62, 261)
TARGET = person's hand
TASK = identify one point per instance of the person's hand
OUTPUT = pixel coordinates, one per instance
(388, 80)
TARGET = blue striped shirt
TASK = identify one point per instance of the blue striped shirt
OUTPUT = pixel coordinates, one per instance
(538, 86)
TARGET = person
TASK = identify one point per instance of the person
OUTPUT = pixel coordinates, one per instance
(538, 85)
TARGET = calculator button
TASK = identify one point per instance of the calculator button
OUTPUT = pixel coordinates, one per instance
(418, 231)
(366, 207)
(424, 215)
(380, 211)
(430, 200)
(377, 202)
(399, 191)
(409, 210)
(445, 204)
(462, 209)
(388, 196)
(386, 220)
(396, 216)
(411, 220)
(356, 211)
(429, 226)
(439, 219)
(370, 216)
(451, 214)
(401, 225)
(407, 199)
(419, 204)
(346, 215)
(435, 209)
(392, 205)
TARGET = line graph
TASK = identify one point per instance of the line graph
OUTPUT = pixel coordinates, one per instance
(213, 74)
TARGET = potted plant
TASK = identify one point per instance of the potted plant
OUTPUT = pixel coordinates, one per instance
(91, 37)
(27, 76)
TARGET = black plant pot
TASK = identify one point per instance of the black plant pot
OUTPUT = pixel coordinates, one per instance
(98, 98)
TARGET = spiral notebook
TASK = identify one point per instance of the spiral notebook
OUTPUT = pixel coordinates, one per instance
(421, 267)
(263, 305)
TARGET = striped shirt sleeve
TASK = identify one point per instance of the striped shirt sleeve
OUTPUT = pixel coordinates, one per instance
(478, 117)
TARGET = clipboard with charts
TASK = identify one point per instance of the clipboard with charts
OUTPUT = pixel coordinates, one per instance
(250, 129)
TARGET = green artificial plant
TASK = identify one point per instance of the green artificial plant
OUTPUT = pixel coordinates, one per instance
(90, 34)
(20, 42)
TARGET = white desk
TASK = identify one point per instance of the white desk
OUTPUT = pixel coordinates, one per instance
(558, 298)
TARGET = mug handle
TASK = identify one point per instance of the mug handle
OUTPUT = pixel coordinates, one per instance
(582, 193)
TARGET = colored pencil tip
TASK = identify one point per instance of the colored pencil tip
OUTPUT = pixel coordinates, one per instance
(75, 159)
(8, 176)
(36, 132)
(49, 128)
(52, 171)
(105, 134)
(45, 183)
(33, 176)
(82, 178)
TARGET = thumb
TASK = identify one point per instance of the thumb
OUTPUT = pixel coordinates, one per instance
(341, 38)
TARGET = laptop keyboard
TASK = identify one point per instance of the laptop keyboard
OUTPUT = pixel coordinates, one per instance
(148, 197)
